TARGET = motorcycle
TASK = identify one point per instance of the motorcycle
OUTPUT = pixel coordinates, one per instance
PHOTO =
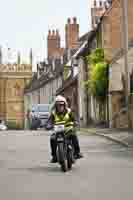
(65, 150)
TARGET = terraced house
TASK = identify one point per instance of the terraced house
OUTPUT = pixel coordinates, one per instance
(111, 30)
(50, 73)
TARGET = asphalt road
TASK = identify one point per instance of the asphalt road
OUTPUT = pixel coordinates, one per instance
(105, 172)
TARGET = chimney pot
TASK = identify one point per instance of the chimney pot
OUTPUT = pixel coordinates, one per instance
(95, 3)
(53, 32)
(69, 21)
(57, 32)
(100, 3)
(74, 20)
(49, 32)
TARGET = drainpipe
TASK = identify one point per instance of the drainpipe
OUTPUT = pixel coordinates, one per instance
(125, 50)
(39, 96)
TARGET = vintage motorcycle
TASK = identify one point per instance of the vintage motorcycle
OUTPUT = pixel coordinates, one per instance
(65, 150)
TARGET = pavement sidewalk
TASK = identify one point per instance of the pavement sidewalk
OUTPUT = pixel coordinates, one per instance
(125, 137)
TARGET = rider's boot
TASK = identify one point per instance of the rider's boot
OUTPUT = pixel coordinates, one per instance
(53, 160)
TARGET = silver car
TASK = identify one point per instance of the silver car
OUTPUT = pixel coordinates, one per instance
(40, 113)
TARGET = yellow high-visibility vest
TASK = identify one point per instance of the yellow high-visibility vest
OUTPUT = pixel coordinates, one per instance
(63, 119)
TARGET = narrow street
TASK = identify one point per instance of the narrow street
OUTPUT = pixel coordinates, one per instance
(105, 172)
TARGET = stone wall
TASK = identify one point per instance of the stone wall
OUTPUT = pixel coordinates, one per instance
(119, 113)
(13, 80)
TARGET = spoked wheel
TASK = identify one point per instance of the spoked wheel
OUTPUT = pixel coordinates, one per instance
(69, 162)
(61, 157)
(64, 166)
(70, 158)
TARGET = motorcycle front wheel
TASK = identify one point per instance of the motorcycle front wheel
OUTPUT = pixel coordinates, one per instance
(70, 158)
(62, 159)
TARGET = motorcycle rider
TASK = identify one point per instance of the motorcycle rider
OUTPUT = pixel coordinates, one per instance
(61, 113)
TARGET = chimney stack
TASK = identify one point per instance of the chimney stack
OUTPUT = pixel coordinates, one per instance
(97, 11)
(72, 33)
(53, 43)
(95, 3)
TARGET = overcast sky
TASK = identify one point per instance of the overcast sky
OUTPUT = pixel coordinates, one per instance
(25, 23)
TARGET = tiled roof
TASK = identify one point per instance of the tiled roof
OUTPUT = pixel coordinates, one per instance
(84, 37)
(44, 79)
(67, 84)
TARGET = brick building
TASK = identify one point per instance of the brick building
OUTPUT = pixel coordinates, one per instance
(54, 49)
(97, 10)
(112, 42)
(111, 27)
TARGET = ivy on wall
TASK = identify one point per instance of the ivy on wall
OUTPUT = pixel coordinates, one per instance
(97, 82)
(66, 72)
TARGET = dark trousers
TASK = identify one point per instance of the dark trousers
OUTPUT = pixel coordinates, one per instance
(75, 142)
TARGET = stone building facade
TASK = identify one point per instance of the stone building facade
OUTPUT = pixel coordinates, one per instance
(112, 41)
(13, 80)
(111, 26)
(118, 109)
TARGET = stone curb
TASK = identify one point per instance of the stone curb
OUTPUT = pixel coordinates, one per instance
(114, 139)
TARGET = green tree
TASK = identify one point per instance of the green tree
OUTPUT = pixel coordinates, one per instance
(97, 82)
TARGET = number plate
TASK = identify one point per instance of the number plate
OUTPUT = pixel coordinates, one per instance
(60, 139)
(59, 128)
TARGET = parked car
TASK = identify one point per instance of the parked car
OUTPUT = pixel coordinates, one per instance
(39, 115)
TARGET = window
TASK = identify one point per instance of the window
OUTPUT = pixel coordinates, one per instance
(17, 91)
(43, 108)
